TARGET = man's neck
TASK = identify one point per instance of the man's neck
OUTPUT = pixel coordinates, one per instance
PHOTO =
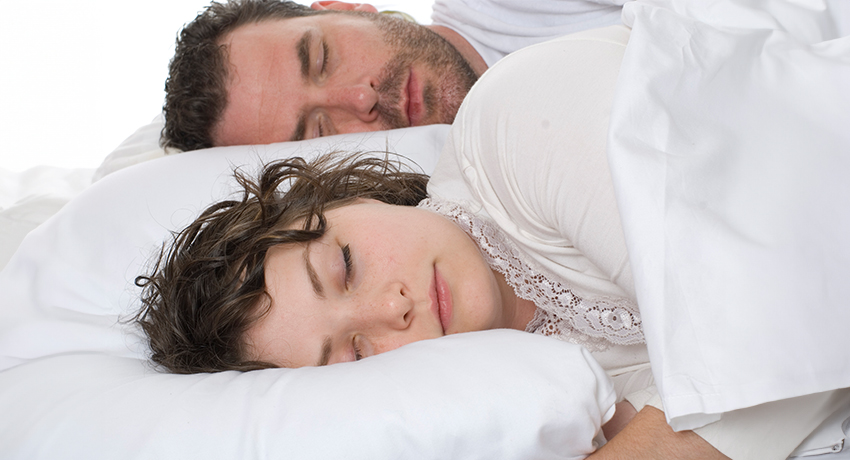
(466, 50)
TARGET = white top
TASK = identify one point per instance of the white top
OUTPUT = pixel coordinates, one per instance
(550, 194)
(496, 28)
(597, 322)
(533, 161)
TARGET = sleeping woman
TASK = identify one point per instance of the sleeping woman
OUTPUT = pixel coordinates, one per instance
(517, 228)
(340, 267)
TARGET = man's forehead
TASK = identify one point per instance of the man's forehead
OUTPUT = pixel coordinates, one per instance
(262, 62)
(269, 27)
(264, 30)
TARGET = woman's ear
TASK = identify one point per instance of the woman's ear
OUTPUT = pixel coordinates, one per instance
(343, 6)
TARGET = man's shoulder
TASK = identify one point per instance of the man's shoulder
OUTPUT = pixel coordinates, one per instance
(496, 28)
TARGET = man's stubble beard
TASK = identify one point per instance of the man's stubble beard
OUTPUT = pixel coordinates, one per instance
(414, 43)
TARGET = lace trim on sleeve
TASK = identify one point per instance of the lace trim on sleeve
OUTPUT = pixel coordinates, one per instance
(595, 323)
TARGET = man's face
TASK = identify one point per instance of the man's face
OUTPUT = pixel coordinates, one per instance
(314, 76)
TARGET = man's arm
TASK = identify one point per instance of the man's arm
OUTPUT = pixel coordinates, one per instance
(648, 436)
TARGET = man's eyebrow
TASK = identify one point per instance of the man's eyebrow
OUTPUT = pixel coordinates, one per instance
(303, 50)
(326, 352)
(311, 273)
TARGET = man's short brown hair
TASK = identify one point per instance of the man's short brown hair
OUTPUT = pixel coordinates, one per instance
(196, 88)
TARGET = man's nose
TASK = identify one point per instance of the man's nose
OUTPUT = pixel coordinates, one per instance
(358, 99)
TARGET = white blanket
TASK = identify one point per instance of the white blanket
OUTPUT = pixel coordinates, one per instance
(730, 150)
(30, 197)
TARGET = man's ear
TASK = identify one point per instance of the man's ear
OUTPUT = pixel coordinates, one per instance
(343, 6)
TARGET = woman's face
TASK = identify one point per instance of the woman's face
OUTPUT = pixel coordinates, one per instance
(381, 277)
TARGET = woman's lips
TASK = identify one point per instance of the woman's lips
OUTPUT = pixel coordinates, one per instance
(414, 100)
(442, 300)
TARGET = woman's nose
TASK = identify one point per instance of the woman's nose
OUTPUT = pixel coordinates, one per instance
(390, 308)
(399, 307)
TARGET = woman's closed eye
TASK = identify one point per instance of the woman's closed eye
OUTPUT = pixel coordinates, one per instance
(346, 258)
(358, 350)
(361, 347)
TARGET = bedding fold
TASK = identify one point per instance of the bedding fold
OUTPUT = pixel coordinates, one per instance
(730, 151)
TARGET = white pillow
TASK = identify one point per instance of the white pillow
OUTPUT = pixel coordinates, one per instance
(76, 384)
(489, 395)
(80, 265)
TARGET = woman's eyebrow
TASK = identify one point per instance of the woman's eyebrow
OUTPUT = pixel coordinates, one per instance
(311, 273)
(326, 352)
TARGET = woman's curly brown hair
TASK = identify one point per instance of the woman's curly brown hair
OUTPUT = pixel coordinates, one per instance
(208, 287)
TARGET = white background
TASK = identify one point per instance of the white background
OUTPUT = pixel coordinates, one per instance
(77, 78)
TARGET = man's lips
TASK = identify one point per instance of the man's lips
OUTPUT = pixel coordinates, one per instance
(413, 105)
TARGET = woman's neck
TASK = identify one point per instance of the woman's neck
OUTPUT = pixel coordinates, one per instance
(517, 312)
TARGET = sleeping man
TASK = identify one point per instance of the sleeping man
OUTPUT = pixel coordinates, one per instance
(517, 99)
(249, 72)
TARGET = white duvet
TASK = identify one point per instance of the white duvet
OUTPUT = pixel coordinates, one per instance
(730, 149)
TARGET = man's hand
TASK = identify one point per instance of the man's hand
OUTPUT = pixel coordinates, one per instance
(343, 6)
(649, 437)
